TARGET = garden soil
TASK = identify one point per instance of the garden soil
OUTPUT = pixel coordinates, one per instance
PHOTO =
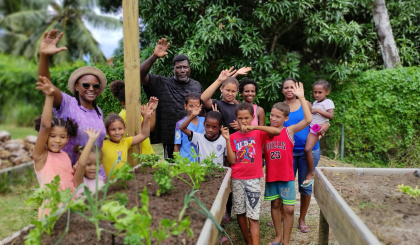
(167, 206)
(391, 215)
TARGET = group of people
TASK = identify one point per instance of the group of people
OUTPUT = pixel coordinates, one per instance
(233, 133)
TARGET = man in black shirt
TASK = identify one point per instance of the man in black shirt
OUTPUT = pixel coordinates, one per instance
(171, 92)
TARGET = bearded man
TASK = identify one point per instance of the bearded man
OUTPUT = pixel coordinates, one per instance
(171, 92)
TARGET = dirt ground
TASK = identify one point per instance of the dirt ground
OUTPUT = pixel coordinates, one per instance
(167, 206)
(312, 218)
(390, 214)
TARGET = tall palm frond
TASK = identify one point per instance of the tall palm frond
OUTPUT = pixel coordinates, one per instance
(24, 29)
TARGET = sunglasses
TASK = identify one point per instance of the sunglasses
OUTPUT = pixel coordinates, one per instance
(95, 86)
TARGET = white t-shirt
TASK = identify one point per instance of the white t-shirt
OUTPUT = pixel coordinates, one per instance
(205, 147)
(324, 106)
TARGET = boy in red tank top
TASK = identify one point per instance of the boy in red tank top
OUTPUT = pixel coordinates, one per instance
(280, 179)
(244, 151)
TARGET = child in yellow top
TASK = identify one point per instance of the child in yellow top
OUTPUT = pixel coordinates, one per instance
(115, 149)
(117, 88)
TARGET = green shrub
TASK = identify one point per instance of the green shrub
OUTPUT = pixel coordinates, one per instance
(380, 113)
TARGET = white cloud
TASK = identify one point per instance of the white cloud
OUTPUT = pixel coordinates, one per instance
(107, 39)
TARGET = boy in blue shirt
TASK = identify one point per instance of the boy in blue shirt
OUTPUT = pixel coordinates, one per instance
(182, 144)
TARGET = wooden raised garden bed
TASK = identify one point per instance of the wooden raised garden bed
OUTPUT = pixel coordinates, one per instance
(213, 194)
(364, 205)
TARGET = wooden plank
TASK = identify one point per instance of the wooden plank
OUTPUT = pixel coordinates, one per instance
(324, 229)
(345, 224)
(209, 233)
(132, 72)
(369, 171)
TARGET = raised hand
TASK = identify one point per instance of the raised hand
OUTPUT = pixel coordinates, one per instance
(146, 110)
(196, 110)
(153, 101)
(45, 85)
(225, 74)
(225, 132)
(49, 43)
(161, 47)
(234, 125)
(92, 133)
(243, 70)
(214, 107)
(298, 90)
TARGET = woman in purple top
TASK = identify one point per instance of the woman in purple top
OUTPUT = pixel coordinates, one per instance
(86, 83)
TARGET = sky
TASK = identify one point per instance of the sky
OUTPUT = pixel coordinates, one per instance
(108, 39)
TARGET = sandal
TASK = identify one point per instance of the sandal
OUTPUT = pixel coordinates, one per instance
(226, 218)
(304, 228)
(272, 243)
(309, 184)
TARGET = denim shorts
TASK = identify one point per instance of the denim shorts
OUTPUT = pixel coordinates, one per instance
(301, 166)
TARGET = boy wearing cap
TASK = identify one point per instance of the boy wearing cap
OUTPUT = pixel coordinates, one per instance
(171, 92)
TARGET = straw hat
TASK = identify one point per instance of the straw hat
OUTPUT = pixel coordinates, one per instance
(87, 70)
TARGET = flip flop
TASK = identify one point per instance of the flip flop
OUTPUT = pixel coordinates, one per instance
(224, 239)
(304, 228)
(272, 243)
(310, 183)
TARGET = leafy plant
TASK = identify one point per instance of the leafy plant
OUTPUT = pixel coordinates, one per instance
(414, 192)
(193, 170)
(163, 178)
(49, 198)
(146, 159)
(135, 223)
(123, 174)
(213, 169)
(203, 210)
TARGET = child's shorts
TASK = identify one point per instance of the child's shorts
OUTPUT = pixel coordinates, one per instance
(315, 132)
(246, 197)
(281, 189)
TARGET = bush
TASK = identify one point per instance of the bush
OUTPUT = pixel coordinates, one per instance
(380, 113)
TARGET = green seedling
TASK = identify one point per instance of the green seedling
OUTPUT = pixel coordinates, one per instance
(409, 190)
(146, 160)
(204, 211)
(51, 198)
(123, 174)
(135, 223)
(193, 170)
(163, 178)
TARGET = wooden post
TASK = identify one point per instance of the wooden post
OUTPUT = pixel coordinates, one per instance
(132, 72)
(324, 229)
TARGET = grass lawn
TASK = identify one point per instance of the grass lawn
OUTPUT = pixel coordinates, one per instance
(18, 132)
(14, 214)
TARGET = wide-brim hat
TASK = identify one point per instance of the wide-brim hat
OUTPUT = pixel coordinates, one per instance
(87, 70)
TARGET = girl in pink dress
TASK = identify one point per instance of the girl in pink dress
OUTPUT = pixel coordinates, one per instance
(54, 133)
(89, 178)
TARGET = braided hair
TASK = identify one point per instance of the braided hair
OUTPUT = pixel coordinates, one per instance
(70, 125)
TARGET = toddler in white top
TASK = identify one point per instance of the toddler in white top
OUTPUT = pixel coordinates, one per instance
(322, 111)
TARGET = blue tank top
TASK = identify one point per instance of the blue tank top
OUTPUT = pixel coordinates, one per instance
(300, 137)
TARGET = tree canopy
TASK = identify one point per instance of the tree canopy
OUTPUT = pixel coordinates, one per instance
(304, 39)
(26, 21)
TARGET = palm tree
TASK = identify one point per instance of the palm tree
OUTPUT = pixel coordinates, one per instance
(24, 28)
